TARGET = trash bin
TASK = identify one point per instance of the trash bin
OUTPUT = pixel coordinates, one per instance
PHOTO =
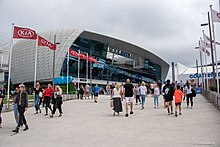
(198, 90)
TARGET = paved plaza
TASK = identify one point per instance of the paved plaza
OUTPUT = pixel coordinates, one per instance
(87, 124)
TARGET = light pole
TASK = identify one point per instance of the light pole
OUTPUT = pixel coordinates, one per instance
(90, 70)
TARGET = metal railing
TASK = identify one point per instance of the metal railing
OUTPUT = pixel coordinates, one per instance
(212, 97)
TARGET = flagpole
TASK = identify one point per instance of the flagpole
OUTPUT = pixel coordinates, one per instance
(35, 63)
(207, 81)
(78, 68)
(216, 60)
(87, 65)
(54, 54)
(9, 66)
(90, 70)
(201, 59)
(67, 82)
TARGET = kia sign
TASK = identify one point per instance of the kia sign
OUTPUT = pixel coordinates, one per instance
(24, 33)
(44, 42)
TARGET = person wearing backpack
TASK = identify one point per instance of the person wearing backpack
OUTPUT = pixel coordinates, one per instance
(168, 91)
(189, 95)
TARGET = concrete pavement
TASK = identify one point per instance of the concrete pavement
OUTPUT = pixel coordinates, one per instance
(87, 124)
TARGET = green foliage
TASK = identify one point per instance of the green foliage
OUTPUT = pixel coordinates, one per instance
(72, 90)
(213, 88)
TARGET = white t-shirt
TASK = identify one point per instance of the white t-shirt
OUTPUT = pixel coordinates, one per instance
(156, 91)
(87, 88)
(116, 93)
(143, 90)
(188, 90)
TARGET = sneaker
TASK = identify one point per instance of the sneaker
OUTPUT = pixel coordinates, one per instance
(51, 116)
(131, 112)
(175, 113)
(172, 113)
(46, 114)
(60, 115)
(126, 115)
(180, 113)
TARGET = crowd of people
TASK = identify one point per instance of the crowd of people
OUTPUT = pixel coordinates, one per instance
(51, 98)
(46, 95)
(138, 93)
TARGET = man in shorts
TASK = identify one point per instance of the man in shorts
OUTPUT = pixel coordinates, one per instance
(129, 96)
(87, 92)
(168, 91)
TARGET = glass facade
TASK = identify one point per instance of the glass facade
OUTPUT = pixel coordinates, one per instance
(106, 69)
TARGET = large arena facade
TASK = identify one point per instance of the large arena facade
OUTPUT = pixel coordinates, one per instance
(117, 59)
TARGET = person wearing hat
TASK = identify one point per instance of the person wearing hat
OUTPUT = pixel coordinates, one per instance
(22, 102)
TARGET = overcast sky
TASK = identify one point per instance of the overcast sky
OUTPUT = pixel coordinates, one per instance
(168, 28)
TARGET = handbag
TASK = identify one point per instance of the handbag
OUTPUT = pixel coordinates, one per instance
(193, 92)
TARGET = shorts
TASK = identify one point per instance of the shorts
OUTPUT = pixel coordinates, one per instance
(129, 99)
(176, 104)
(168, 99)
(96, 94)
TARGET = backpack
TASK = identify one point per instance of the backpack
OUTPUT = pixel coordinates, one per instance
(168, 90)
(193, 92)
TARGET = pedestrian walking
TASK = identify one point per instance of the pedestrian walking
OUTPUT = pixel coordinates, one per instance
(168, 91)
(47, 97)
(37, 93)
(81, 92)
(137, 94)
(156, 96)
(1, 107)
(117, 97)
(108, 89)
(96, 93)
(164, 103)
(57, 101)
(188, 94)
(129, 96)
(178, 94)
(22, 101)
(16, 113)
(87, 91)
(143, 92)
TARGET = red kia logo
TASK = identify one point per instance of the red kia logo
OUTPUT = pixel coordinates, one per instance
(46, 43)
(26, 33)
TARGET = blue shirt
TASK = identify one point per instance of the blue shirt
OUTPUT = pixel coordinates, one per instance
(96, 89)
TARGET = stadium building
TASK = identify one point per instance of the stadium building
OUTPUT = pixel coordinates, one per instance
(117, 59)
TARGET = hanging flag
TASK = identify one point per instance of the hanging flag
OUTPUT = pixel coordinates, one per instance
(73, 53)
(204, 44)
(206, 51)
(207, 40)
(215, 16)
(24, 33)
(92, 59)
(82, 56)
(44, 42)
